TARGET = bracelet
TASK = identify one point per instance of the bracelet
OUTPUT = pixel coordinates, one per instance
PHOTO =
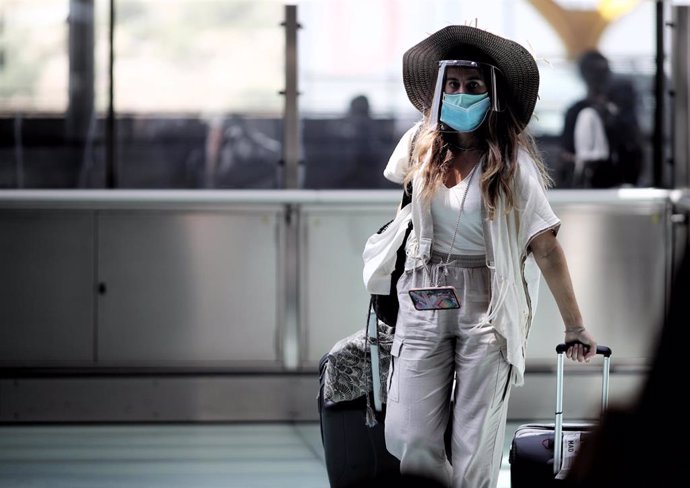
(575, 330)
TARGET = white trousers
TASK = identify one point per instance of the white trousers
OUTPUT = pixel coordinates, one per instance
(430, 349)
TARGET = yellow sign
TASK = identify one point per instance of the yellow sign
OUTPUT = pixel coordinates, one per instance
(614, 9)
(581, 28)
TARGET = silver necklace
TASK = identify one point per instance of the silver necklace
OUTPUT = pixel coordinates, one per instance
(462, 206)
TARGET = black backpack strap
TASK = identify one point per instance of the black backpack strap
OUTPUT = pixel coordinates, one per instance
(568, 134)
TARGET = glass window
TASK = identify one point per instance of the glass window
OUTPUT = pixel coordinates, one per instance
(197, 98)
(354, 106)
(51, 88)
(197, 87)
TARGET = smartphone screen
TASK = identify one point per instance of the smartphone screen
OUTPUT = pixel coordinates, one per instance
(437, 298)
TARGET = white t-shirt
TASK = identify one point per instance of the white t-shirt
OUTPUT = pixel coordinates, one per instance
(445, 207)
(590, 141)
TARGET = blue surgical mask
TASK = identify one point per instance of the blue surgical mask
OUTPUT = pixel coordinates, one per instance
(464, 112)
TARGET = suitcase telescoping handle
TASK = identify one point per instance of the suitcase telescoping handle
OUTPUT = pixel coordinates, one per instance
(558, 428)
(603, 350)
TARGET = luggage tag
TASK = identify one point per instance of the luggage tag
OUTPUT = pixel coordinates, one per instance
(435, 298)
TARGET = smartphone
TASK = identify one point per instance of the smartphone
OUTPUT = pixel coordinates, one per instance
(436, 298)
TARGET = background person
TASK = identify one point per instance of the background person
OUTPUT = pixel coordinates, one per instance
(482, 224)
(238, 156)
(362, 141)
(624, 132)
(601, 138)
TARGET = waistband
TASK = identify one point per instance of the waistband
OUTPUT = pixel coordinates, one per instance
(459, 260)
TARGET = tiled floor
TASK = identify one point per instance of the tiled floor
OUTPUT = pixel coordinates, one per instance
(171, 456)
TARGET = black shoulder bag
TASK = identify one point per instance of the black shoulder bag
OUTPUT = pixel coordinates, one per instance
(386, 306)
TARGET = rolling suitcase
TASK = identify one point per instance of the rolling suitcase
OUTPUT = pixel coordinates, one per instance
(535, 460)
(355, 453)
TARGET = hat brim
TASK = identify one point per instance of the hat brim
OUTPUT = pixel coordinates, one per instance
(420, 66)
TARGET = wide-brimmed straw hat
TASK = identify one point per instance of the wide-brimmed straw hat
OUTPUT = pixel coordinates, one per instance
(517, 66)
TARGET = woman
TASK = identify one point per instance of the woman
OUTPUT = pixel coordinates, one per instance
(482, 228)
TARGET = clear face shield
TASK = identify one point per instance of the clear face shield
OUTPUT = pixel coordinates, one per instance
(466, 77)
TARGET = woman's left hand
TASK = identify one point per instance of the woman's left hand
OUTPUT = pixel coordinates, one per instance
(580, 352)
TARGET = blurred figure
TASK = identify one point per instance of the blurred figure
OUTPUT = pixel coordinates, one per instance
(625, 135)
(361, 142)
(348, 152)
(239, 157)
(638, 445)
(601, 138)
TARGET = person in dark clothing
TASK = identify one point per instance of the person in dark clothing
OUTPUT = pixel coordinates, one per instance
(637, 445)
(601, 137)
(361, 142)
(624, 132)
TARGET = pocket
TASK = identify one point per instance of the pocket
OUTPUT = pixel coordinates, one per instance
(409, 279)
(393, 376)
(503, 377)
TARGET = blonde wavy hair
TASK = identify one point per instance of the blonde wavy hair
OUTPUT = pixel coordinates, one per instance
(503, 138)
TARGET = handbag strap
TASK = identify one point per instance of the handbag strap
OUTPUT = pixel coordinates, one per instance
(371, 331)
(371, 342)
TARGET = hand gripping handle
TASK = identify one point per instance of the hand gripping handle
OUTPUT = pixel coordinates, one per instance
(603, 350)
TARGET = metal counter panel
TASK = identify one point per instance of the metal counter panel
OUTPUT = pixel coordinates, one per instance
(221, 398)
(46, 290)
(334, 301)
(200, 287)
(617, 260)
(188, 287)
